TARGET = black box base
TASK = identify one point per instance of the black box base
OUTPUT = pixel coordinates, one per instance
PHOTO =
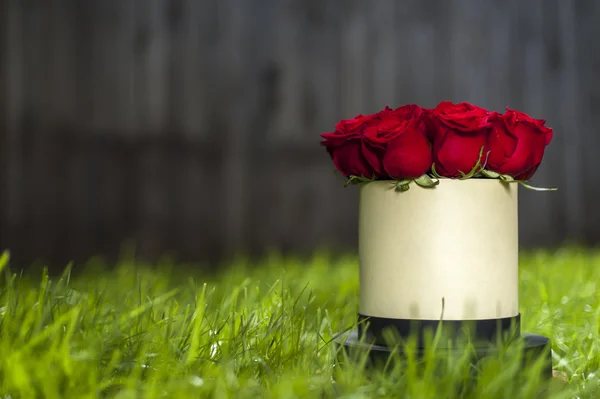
(534, 346)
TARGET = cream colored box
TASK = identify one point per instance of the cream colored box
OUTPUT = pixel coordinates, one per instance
(457, 241)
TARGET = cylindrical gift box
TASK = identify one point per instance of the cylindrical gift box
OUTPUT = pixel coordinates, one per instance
(446, 253)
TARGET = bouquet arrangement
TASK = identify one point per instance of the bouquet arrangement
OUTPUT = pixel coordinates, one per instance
(457, 141)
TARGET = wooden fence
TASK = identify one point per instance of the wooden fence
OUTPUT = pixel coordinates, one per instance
(192, 125)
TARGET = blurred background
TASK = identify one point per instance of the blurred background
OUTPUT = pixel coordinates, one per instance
(191, 127)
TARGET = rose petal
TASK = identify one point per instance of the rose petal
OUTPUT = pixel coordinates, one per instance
(349, 160)
(408, 156)
(458, 152)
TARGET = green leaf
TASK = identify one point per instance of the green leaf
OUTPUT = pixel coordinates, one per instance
(489, 173)
(527, 186)
(426, 181)
(487, 156)
(475, 168)
(434, 172)
(403, 185)
(352, 179)
(510, 179)
(4, 258)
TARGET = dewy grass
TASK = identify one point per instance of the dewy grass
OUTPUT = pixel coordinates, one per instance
(265, 331)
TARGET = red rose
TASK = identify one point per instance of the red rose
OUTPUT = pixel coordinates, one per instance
(458, 131)
(345, 146)
(517, 143)
(397, 145)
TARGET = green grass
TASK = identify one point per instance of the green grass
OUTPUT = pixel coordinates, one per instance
(263, 331)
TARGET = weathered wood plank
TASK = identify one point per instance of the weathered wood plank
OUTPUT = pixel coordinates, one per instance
(528, 51)
(383, 53)
(113, 43)
(151, 66)
(468, 45)
(4, 126)
(35, 132)
(551, 173)
(570, 117)
(586, 14)
(355, 34)
(285, 74)
(315, 43)
(236, 134)
(59, 58)
(498, 20)
(14, 110)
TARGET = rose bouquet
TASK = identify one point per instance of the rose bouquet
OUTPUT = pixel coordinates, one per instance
(456, 141)
(455, 154)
